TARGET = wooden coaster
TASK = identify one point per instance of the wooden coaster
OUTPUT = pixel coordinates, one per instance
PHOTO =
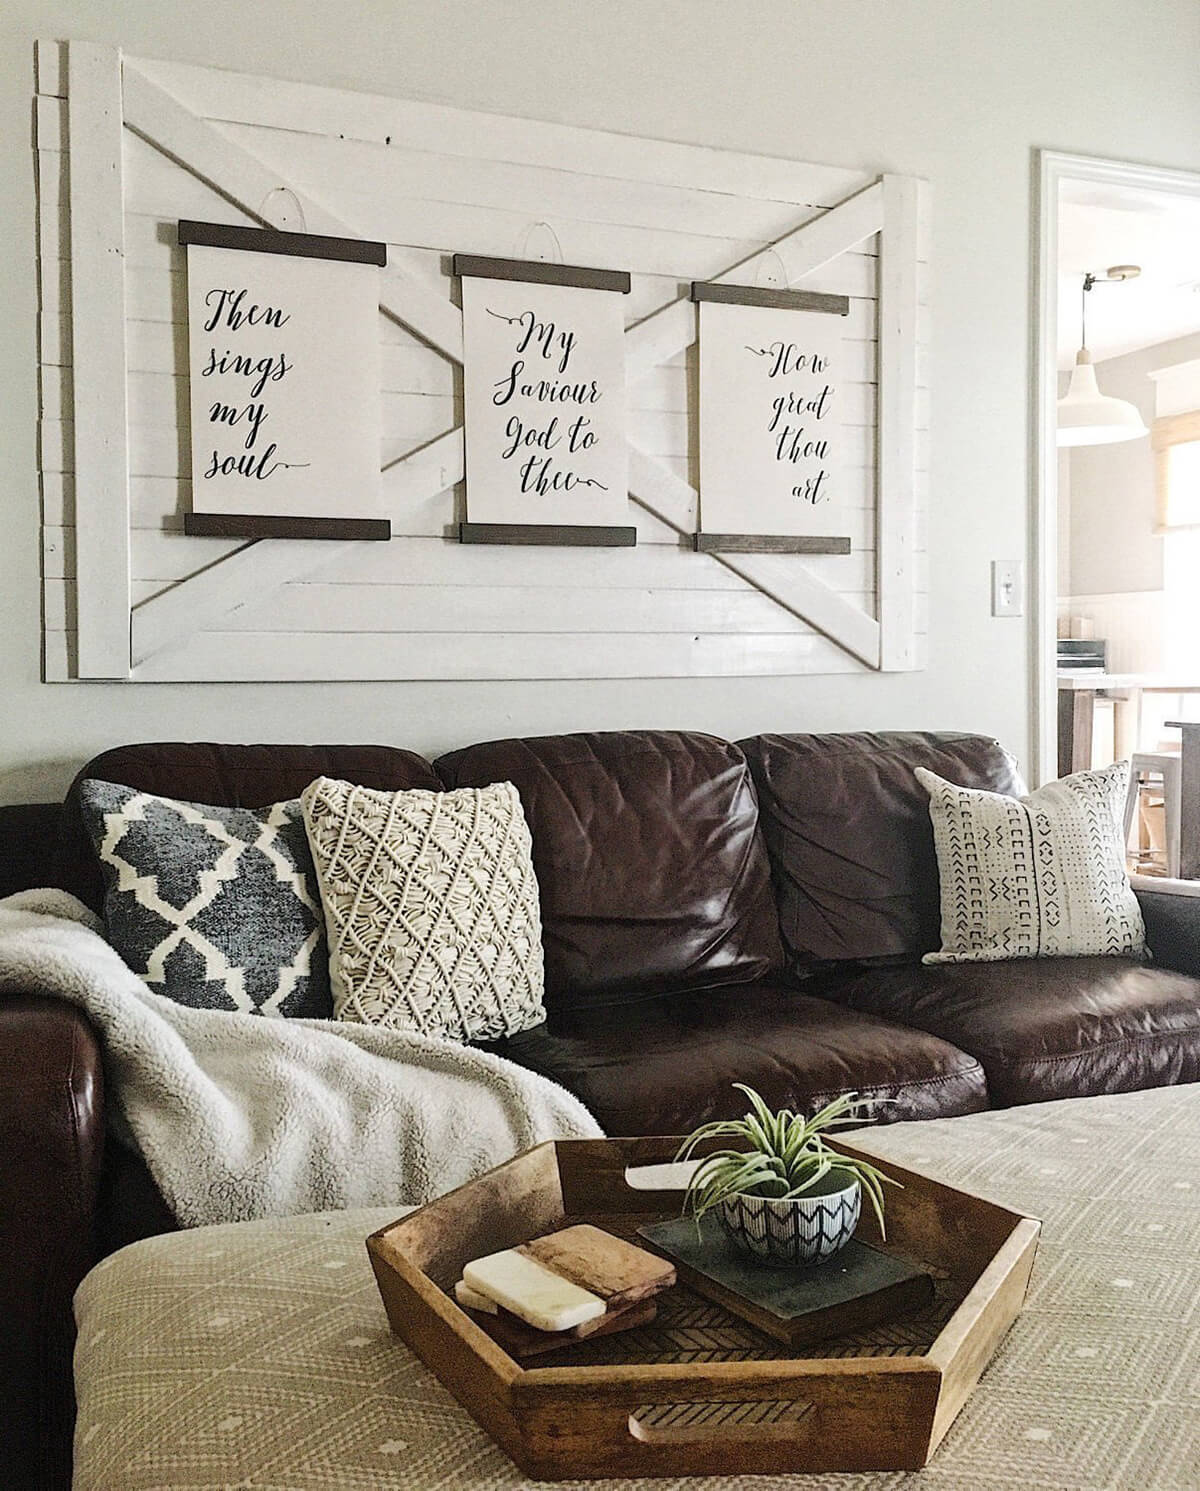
(617, 1271)
(521, 1340)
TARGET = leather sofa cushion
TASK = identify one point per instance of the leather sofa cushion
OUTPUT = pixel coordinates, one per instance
(30, 846)
(663, 1066)
(1046, 1028)
(847, 827)
(652, 873)
(131, 1205)
(229, 776)
(52, 1120)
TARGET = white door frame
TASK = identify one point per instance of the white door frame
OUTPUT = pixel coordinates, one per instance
(1054, 168)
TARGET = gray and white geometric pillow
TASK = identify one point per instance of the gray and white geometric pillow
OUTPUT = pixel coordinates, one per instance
(216, 908)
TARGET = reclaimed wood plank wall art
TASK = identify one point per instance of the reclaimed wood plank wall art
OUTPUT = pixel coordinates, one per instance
(127, 147)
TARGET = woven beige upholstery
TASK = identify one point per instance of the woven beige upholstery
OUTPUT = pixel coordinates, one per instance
(258, 1355)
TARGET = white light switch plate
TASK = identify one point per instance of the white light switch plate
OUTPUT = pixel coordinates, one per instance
(1008, 587)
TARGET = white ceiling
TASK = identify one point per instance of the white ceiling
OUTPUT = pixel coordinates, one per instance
(1101, 225)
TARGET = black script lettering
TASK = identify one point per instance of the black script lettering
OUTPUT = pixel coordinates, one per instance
(264, 370)
(258, 468)
(543, 391)
(539, 475)
(577, 437)
(810, 491)
(796, 403)
(519, 435)
(231, 414)
(791, 445)
(507, 385)
(549, 339)
(228, 308)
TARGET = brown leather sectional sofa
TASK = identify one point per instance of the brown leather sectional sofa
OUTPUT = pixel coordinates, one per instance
(712, 913)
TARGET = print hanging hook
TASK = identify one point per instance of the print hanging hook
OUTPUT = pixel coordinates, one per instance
(772, 271)
(286, 215)
(532, 244)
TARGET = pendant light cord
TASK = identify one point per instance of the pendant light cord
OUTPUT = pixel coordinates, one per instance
(1088, 281)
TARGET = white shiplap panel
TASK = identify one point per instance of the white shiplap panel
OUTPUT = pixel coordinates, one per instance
(900, 410)
(365, 609)
(425, 223)
(54, 350)
(245, 181)
(239, 99)
(374, 169)
(51, 64)
(324, 607)
(343, 170)
(98, 452)
(304, 657)
(272, 658)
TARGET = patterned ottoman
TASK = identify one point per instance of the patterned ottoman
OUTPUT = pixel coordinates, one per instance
(257, 1355)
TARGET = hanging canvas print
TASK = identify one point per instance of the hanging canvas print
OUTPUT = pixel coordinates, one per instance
(284, 367)
(544, 403)
(769, 420)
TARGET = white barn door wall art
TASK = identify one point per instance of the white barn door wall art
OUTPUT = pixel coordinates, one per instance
(128, 147)
(544, 403)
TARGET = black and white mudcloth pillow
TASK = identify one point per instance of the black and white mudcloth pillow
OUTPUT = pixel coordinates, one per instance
(217, 908)
(1041, 876)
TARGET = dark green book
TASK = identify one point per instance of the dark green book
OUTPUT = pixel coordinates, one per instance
(858, 1288)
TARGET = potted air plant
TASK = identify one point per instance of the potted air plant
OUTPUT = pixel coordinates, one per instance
(785, 1197)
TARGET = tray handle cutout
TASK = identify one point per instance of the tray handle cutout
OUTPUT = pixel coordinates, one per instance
(782, 1419)
(668, 1177)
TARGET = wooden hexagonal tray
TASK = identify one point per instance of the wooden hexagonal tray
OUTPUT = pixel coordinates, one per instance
(699, 1391)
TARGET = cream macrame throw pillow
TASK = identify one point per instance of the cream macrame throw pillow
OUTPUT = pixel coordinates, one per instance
(431, 908)
(1034, 877)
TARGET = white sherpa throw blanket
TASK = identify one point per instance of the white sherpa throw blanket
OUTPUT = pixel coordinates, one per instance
(240, 1116)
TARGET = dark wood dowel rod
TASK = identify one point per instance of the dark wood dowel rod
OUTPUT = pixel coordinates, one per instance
(559, 534)
(271, 241)
(767, 543)
(536, 272)
(780, 300)
(260, 525)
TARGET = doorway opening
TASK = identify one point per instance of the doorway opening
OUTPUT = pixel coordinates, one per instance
(1117, 470)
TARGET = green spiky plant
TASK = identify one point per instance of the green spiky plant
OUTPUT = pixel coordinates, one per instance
(784, 1156)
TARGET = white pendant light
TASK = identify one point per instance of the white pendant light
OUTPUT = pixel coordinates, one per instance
(1085, 415)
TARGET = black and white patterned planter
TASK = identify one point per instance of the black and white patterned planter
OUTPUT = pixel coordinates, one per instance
(792, 1233)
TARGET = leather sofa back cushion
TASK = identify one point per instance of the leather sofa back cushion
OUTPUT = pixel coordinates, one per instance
(851, 845)
(227, 776)
(30, 846)
(652, 872)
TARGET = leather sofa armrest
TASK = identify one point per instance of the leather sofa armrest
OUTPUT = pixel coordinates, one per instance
(1171, 911)
(52, 1119)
